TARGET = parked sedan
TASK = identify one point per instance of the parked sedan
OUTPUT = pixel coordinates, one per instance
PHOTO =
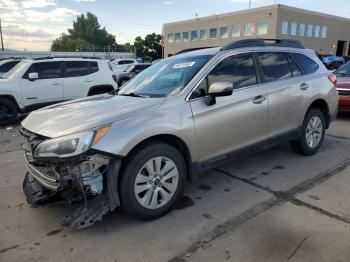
(343, 87)
(129, 72)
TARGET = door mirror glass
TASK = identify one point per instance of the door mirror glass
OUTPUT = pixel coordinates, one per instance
(33, 76)
(220, 89)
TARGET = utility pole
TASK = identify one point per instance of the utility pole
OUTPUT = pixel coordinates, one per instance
(2, 41)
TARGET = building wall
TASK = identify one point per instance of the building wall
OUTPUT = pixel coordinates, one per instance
(268, 14)
(338, 28)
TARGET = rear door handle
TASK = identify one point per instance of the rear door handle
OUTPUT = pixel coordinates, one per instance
(56, 83)
(259, 99)
(88, 81)
(304, 86)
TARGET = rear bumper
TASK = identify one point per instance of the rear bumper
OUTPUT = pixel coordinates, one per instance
(344, 104)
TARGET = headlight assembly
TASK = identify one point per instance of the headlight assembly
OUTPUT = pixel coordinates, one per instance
(71, 145)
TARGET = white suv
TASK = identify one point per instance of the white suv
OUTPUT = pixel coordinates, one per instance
(37, 83)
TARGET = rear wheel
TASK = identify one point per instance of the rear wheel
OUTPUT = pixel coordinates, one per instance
(313, 132)
(8, 111)
(152, 180)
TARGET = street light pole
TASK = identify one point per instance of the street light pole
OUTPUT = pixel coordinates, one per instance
(2, 41)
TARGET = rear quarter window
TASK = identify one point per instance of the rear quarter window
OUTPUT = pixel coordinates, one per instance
(307, 64)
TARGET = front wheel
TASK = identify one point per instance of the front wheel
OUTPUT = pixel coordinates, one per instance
(312, 135)
(8, 111)
(152, 180)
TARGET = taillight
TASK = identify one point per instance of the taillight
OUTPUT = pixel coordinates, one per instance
(114, 78)
(333, 79)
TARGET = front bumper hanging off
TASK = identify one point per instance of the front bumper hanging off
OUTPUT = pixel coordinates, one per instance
(41, 188)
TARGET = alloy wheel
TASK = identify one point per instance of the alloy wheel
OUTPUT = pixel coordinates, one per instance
(156, 182)
(314, 132)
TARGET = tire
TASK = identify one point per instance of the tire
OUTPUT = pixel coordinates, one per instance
(138, 186)
(8, 111)
(312, 134)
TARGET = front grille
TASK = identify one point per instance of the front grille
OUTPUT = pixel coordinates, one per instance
(42, 171)
(31, 140)
(344, 92)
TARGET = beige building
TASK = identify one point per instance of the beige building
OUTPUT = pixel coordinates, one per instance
(326, 34)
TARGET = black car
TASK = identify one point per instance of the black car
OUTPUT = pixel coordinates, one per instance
(129, 72)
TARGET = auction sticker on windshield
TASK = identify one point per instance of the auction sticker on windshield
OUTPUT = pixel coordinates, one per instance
(182, 65)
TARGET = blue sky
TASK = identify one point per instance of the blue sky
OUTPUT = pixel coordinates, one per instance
(32, 24)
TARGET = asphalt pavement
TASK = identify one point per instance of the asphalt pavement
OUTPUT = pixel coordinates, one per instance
(271, 206)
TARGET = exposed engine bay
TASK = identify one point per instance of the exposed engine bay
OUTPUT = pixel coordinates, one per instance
(90, 179)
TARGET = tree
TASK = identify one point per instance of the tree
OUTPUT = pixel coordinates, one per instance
(85, 35)
(150, 46)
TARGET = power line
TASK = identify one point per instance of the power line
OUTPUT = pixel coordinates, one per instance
(2, 41)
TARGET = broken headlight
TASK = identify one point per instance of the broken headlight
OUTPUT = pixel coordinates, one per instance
(71, 145)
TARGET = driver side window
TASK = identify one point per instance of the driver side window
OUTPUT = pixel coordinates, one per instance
(237, 69)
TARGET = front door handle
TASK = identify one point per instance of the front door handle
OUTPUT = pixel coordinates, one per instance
(56, 83)
(259, 99)
(304, 86)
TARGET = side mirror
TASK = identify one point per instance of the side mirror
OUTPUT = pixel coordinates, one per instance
(33, 76)
(219, 89)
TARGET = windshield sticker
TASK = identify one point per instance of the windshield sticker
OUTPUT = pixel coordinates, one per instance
(182, 65)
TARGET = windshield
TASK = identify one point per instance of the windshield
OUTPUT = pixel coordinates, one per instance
(343, 71)
(165, 78)
(16, 69)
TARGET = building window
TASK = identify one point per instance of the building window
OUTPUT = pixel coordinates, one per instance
(324, 32)
(185, 36)
(262, 28)
(236, 30)
(177, 37)
(213, 32)
(317, 31)
(170, 38)
(249, 29)
(293, 28)
(194, 35)
(310, 29)
(223, 32)
(285, 26)
(302, 30)
(203, 34)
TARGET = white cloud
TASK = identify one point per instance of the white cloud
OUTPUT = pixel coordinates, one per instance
(8, 5)
(38, 3)
(20, 36)
(167, 3)
(84, 0)
(55, 15)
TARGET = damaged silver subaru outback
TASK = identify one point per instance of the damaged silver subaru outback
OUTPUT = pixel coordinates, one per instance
(136, 148)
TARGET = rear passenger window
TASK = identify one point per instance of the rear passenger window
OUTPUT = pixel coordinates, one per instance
(307, 64)
(294, 67)
(93, 67)
(76, 68)
(238, 70)
(274, 66)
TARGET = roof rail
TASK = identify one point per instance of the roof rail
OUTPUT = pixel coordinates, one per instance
(263, 42)
(52, 57)
(190, 50)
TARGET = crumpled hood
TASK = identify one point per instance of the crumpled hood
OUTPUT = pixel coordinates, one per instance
(87, 113)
